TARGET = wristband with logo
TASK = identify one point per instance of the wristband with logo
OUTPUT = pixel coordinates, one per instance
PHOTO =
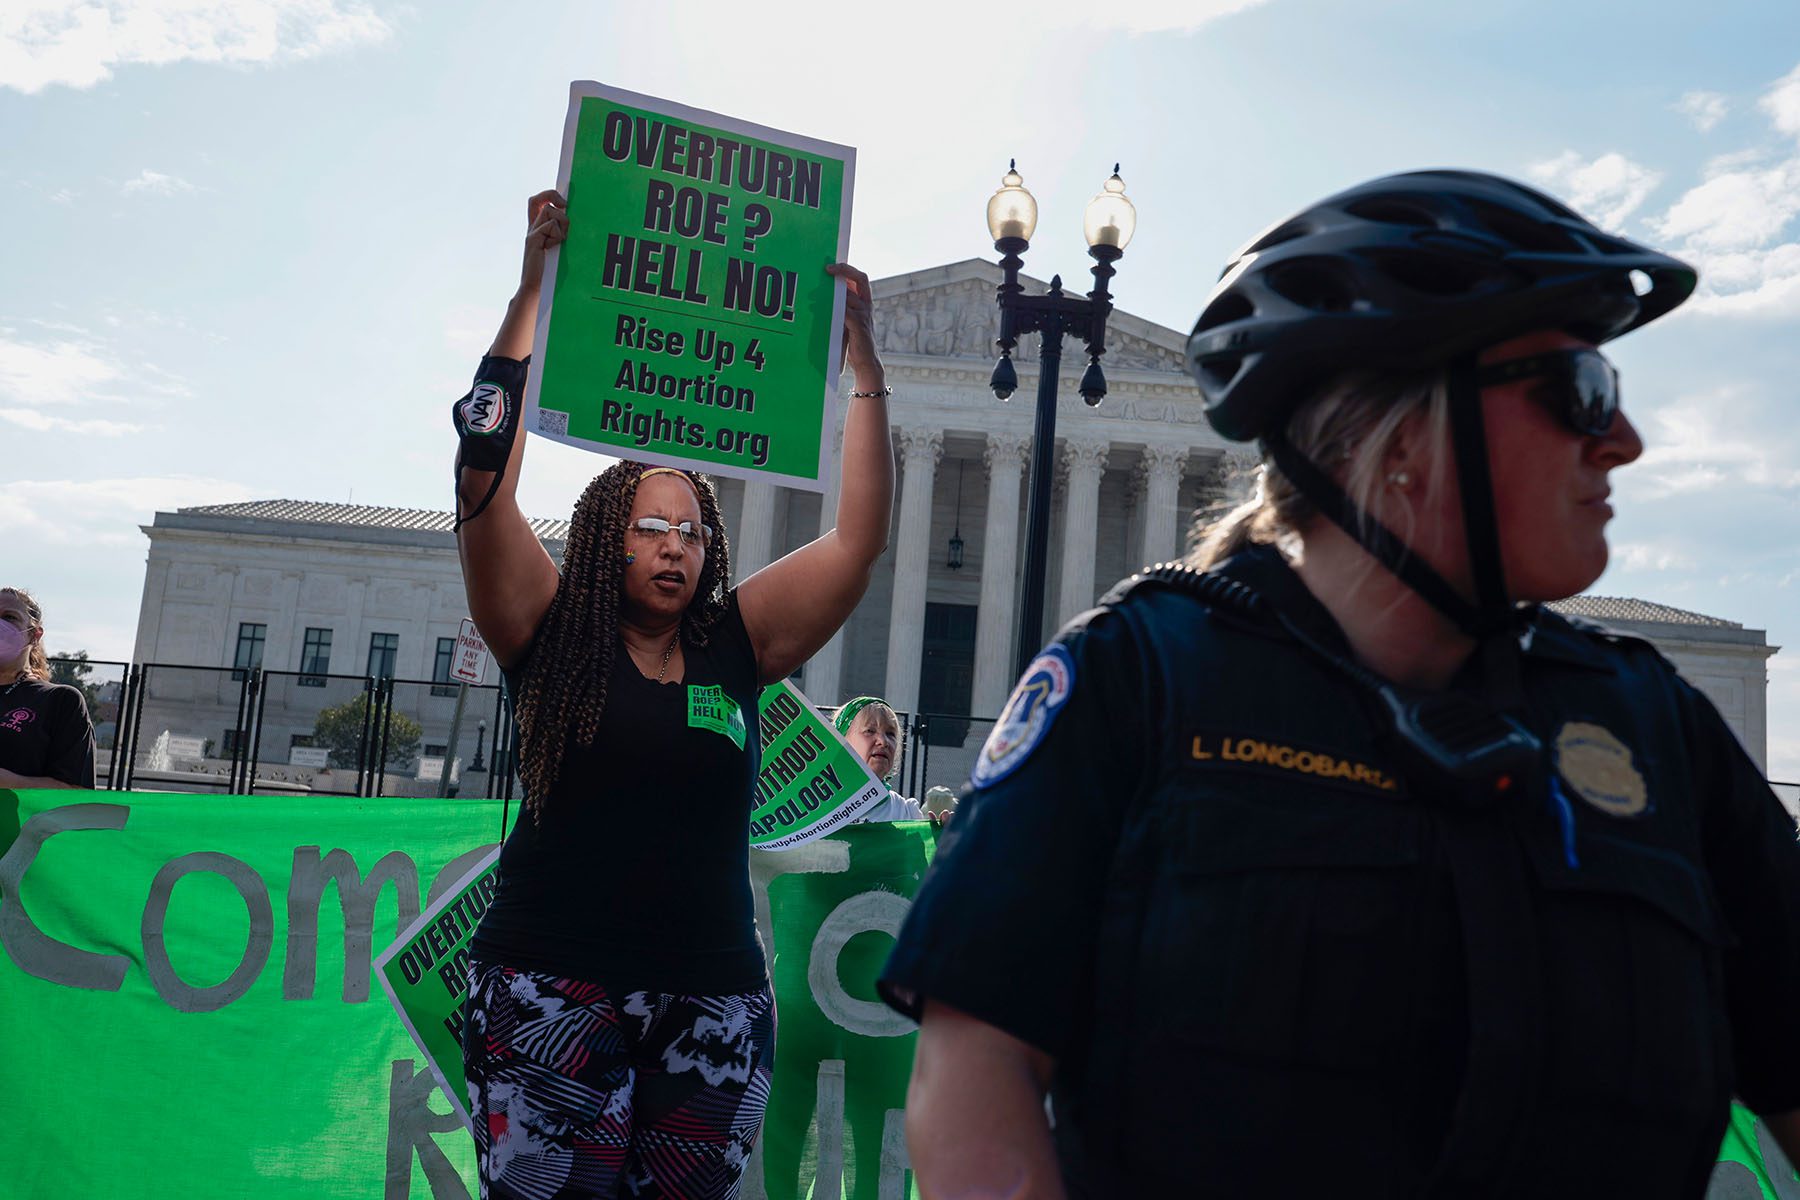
(487, 421)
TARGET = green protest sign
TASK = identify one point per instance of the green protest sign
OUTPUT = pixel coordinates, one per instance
(688, 319)
(1751, 1165)
(425, 974)
(810, 781)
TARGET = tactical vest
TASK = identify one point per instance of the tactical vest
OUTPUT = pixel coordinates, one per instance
(1316, 977)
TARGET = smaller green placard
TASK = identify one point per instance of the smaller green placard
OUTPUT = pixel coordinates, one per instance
(810, 781)
(710, 708)
(425, 974)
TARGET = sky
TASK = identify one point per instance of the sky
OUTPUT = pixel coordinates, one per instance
(254, 248)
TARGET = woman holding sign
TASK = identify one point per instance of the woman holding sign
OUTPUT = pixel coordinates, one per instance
(620, 1027)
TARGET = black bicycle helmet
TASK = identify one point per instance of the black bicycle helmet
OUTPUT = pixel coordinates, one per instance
(1408, 272)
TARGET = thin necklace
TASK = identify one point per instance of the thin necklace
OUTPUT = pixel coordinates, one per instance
(667, 655)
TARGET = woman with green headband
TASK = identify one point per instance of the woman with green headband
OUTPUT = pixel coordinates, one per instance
(872, 728)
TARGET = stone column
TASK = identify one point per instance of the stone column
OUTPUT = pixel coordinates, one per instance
(754, 544)
(824, 670)
(1236, 472)
(1085, 461)
(1005, 457)
(1160, 475)
(920, 450)
(281, 650)
(150, 609)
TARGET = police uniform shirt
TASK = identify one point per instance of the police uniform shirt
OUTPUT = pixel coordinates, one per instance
(1266, 962)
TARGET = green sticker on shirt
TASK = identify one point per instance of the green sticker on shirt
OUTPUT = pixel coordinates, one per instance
(710, 708)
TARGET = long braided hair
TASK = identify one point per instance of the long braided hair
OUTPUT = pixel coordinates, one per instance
(562, 692)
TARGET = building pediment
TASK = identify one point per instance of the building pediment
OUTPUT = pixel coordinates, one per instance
(949, 312)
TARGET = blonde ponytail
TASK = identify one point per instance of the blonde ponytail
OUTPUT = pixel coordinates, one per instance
(1348, 429)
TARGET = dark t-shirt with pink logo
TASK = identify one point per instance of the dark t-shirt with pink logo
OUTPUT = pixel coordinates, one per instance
(45, 731)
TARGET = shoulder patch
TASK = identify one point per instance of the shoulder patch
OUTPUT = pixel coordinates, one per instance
(1040, 695)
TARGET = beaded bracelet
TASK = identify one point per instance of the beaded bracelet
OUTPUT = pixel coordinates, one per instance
(879, 392)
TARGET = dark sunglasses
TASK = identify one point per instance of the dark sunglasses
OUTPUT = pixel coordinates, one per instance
(1579, 386)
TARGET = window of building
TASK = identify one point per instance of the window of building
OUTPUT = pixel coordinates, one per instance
(299, 739)
(441, 683)
(315, 658)
(947, 676)
(234, 741)
(435, 749)
(384, 648)
(249, 649)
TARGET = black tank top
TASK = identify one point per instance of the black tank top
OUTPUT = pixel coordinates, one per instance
(638, 877)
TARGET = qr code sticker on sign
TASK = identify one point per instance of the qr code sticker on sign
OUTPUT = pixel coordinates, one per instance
(551, 422)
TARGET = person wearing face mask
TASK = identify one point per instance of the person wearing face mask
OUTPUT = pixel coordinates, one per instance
(46, 736)
(1330, 862)
(619, 1027)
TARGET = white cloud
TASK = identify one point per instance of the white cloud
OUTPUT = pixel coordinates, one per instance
(155, 183)
(45, 386)
(78, 43)
(62, 374)
(1651, 556)
(107, 511)
(1608, 189)
(1782, 103)
(1763, 284)
(1704, 109)
(1736, 223)
(41, 422)
(1735, 209)
(1135, 16)
(1721, 439)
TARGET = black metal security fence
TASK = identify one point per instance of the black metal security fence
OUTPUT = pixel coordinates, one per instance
(175, 727)
(178, 727)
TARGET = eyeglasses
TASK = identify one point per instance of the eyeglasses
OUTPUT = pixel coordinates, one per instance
(655, 529)
(1581, 386)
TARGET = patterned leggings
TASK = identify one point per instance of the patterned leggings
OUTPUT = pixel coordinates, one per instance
(576, 1092)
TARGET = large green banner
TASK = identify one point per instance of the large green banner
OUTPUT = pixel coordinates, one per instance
(690, 321)
(187, 991)
(842, 1058)
(188, 994)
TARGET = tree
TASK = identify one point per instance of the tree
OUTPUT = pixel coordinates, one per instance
(339, 729)
(74, 669)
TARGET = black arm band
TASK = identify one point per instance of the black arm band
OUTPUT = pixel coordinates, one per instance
(487, 421)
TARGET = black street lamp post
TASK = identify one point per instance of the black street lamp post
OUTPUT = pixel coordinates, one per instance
(1110, 221)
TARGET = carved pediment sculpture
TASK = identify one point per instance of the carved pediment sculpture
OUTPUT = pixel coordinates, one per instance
(960, 321)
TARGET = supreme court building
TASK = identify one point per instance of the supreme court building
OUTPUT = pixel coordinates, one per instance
(313, 585)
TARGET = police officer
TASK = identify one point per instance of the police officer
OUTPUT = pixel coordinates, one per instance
(1331, 863)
